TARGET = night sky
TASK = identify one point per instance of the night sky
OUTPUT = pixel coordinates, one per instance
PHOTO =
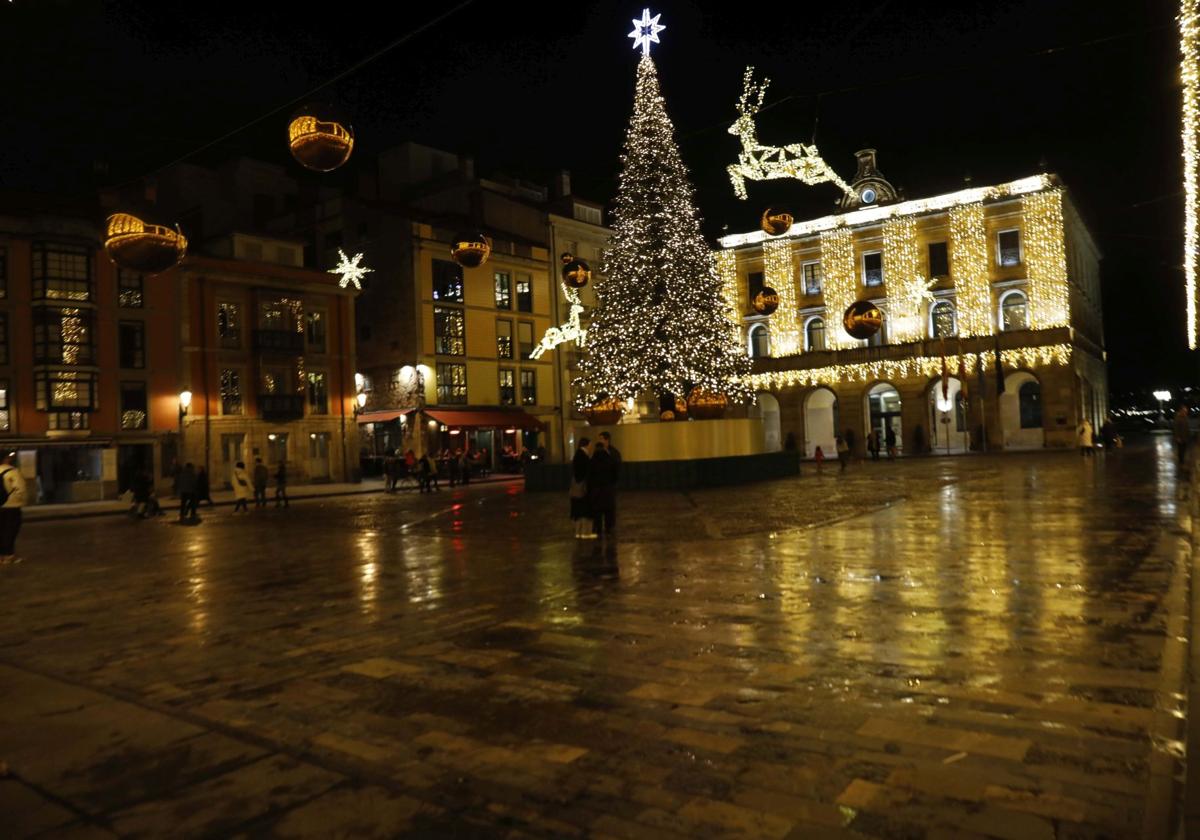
(99, 93)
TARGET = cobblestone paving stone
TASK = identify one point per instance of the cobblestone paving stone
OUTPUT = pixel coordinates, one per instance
(970, 647)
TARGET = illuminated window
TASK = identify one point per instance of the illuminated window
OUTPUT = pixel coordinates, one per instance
(229, 325)
(64, 390)
(447, 282)
(814, 334)
(449, 331)
(1008, 247)
(525, 338)
(314, 331)
(528, 387)
(939, 260)
(68, 421)
(131, 344)
(1014, 312)
(811, 272)
(941, 320)
(451, 383)
(61, 272)
(508, 387)
(524, 293)
(759, 341)
(502, 281)
(62, 336)
(504, 341)
(130, 289)
(133, 406)
(318, 393)
(231, 391)
(872, 263)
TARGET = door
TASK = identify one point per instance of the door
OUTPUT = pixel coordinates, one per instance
(133, 459)
(318, 456)
(231, 453)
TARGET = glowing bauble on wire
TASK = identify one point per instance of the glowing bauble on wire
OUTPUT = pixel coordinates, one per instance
(577, 273)
(138, 246)
(766, 301)
(471, 250)
(319, 140)
(776, 222)
(706, 405)
(862, 319)
(605, 413)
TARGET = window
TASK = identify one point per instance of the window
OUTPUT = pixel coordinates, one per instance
(5, 424)
(1014, 312)
(504, 344)
(64, 390)
(61, 272)
(811, 272)
(277, 447)
(583, 213)
(449, 331)
(759, 342)
(275, 316)
(3, 338)
(1008, 250)
(133, 406)
(879, 337)
(229, 325)
(814, 334)
(508, 387)
(314, 331)
(130, 292)
(754, 283)
(524, 293)
(277, 379)
(451, 383)
(3, 273)
(941, 320)
(873, 268)
(447, 281)
(528, 387)
(62, 336)
(69, 421)
(318, 394)
(525, 338)
(132, 344)
(1030, 398)
(503, 285)
(939, 260)
(231, 391)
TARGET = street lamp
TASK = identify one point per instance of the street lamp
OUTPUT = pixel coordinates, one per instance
(1162, 397)
(361, 400)
(185, 402)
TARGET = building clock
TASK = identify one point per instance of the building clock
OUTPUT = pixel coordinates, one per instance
(867, 196)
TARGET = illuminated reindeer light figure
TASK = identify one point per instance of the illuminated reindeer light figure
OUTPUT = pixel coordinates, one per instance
(760, 163)
(570, 331)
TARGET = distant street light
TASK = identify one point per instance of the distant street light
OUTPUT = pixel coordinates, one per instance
(1163, 398)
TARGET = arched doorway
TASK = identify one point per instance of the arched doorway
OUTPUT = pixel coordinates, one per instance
(883, 404)
(821, 423)
(1021, 412)
(767, 407)
(948, 421)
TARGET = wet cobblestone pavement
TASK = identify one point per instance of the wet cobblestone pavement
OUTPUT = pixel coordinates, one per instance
(971, 647)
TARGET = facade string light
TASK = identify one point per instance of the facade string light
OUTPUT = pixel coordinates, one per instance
(969, 268)
(779, 273)
(1189, 74)
(1046, 259)
(840, 283)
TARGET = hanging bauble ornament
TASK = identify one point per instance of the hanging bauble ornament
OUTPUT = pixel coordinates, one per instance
(471, 250)
(862, 319)
(605, 413)
(667, 416)
(706, 405)
(776, 222)
(137, 246)
(766, 301)
(319, 140)
(576, 273)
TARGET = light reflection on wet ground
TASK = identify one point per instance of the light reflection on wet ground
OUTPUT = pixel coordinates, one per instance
(971, 646)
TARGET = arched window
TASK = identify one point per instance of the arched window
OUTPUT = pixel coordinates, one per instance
(941, 320)
(759, 341)
(1030, 395)
(1014, 312)
(814, 334)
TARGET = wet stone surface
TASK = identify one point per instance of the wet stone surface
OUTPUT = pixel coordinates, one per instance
(971, 647)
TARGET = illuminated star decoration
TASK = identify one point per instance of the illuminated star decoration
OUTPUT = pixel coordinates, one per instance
(350, 270)
(645, 31)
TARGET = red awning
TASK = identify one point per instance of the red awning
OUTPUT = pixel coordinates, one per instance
(483, 419)
(382, 416)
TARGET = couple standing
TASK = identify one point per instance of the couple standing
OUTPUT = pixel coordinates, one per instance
(594, 473)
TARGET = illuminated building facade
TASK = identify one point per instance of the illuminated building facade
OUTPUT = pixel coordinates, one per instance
(1005, 274)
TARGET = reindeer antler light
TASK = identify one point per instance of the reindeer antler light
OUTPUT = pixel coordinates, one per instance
(756, 162)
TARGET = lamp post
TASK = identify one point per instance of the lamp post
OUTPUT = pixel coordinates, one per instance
(185, 404)
(1163, 397)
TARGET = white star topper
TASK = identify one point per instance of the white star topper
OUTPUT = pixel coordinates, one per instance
(350, 270)
(645, 31)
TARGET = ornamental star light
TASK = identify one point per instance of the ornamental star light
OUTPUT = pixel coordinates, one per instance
(350, 270)
(645, 31)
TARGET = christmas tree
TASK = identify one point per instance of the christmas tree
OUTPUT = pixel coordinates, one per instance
(660, 325)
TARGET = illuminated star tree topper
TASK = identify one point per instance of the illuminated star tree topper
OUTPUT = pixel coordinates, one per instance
(645, 31)
(350, 270)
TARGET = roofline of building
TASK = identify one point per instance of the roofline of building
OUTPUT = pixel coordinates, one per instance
(870, 215)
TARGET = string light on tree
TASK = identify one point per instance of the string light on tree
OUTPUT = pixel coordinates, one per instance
(350, 270)
(1189, 74)
(662, 319)
(727, 270)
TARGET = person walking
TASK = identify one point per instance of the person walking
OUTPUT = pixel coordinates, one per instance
(890, 440)
(1108, 434)
(261, 477)
(187, 492)
(12, 492)
(615, 455)
(203, 492)
(241, 489)
(1086, 438)
(464, 467)
(141, 494)
(281, 484)
(581, 512)
(843, 453)
(452, 467)
(424, 471)
(602, 489)
(819, 457)
(873, 444)
(1181, 432)
(389, 472)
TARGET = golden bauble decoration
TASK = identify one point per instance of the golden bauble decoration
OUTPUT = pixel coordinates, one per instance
(137, 246)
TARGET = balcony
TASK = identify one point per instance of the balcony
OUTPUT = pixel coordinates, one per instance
(281, 407)
(279, 341)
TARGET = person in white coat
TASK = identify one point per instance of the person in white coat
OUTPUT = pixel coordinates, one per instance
(242, 488)
(1086, 438)
(12, 490)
